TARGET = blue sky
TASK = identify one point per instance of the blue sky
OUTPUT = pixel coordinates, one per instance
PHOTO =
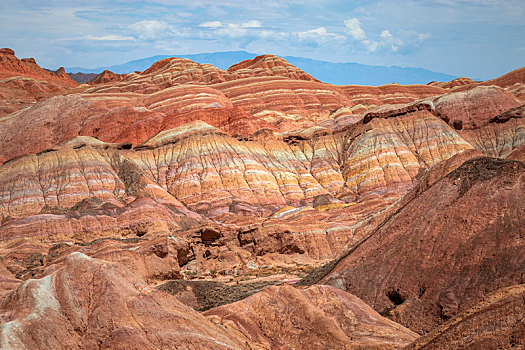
(478, 38)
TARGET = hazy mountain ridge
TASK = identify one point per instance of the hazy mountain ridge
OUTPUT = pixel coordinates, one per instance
(328, 72)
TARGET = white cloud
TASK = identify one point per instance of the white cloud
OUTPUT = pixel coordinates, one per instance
(318, 35)
(371, 46)
(385, 40)
(230, 29)
(151, 30)
(353, 27)
(212, 24)
(251, 24)
(109, 37)
(249, 29)
(253, 30)
(386, 34)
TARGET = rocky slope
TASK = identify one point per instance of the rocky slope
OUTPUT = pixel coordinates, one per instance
(82, 78)
(268, 65)
(512, 82)
(208, 171)
(86, 303)
(196, 172)
(89, 303)
(11, 66)
(23, 82)
(488, 117)
(320, 317)
(441, 252)
(266, 92)
(106, 77)
(496, 322)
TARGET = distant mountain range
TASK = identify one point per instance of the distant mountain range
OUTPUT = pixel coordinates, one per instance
(328, 72)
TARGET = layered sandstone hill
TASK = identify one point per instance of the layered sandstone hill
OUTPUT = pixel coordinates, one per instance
(442, 251)
(496, 322)
(191, 171)
(207, 170)
(260, 173)
(85, 303)
(320, 317)
(268, 65)
(267, 170)
(266, 92)
(90, 303)
(508, 80)
(183, 177)
(23, 82)
(8, 281)
(453, 84)
(11, 66)
(106, 77)
(153, 258)
(82, 78)
(512, 82)
(488, 117)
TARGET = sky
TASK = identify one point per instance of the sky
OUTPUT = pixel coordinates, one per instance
(482, 39)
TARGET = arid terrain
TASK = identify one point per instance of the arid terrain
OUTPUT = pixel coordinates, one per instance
(190, 207)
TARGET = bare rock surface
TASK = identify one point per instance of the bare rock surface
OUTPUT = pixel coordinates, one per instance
(320, 317)
(92, 304)
(496, 322)
(23, 82)
(423, 266)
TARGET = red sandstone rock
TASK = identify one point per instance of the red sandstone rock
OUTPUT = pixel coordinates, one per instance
(87, 303)
(8, 282)
(389, 94)
(320, 317)
(496, 322)
(112, 114)
(260, 165)
(348, 165)
(517, 76)
(488, 117)
(518, 154)
(268, 65)
(107, 77)
(11, 66)
(23, 82)
(513, 82)
(473, 108)
(20, 92)
(422, 270)
(453, 83)
(353, 163)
